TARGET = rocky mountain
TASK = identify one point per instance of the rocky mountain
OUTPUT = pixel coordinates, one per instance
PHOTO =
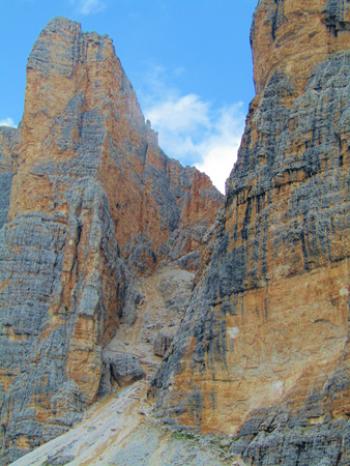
(238, 333)
(263, 352)
(90, 202)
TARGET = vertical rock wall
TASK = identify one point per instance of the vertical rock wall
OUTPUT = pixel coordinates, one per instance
(8, 156)
(262, 354)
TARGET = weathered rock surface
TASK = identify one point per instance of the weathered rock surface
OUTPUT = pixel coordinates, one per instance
(8, 154)
(88, 200)
(162, 343)
(263, 351)
(125, 368)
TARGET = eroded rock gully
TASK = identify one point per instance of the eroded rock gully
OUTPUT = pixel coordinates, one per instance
(257, 371)
(120, 429)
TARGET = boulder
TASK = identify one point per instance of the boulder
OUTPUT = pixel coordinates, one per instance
(125, 368)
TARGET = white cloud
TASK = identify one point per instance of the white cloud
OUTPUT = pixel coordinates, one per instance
(219, 149)
(180, 114)
(8, 122)
(89, 7)
(192, 130)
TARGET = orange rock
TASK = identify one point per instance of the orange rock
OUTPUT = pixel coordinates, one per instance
(263, 349)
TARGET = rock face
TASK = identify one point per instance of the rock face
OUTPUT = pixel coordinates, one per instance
(124, 368)
(8, 155)
(88, 200)
(263, 352)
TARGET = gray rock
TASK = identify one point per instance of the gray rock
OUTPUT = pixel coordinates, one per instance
(336, 14)
(9, 139)
(162, 343)
(124, 368)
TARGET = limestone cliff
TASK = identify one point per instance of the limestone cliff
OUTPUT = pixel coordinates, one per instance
(8, 156)
(89, 201)
(263, 352)
(99, 225)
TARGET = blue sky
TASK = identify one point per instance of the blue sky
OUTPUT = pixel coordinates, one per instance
(189, 62)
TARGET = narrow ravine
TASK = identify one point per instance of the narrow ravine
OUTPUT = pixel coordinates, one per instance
(119, 429)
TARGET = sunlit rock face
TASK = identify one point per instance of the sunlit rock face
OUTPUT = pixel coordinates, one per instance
(87, 200)
(263, 352)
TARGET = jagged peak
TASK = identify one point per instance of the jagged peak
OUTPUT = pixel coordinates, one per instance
(62, 44)
(62, 23)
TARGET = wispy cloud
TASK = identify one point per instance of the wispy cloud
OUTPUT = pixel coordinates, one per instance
(89, 7)
(8, 122)
(194, 130)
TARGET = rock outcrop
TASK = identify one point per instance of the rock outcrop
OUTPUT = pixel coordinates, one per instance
(89, 201)
(263, 352)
